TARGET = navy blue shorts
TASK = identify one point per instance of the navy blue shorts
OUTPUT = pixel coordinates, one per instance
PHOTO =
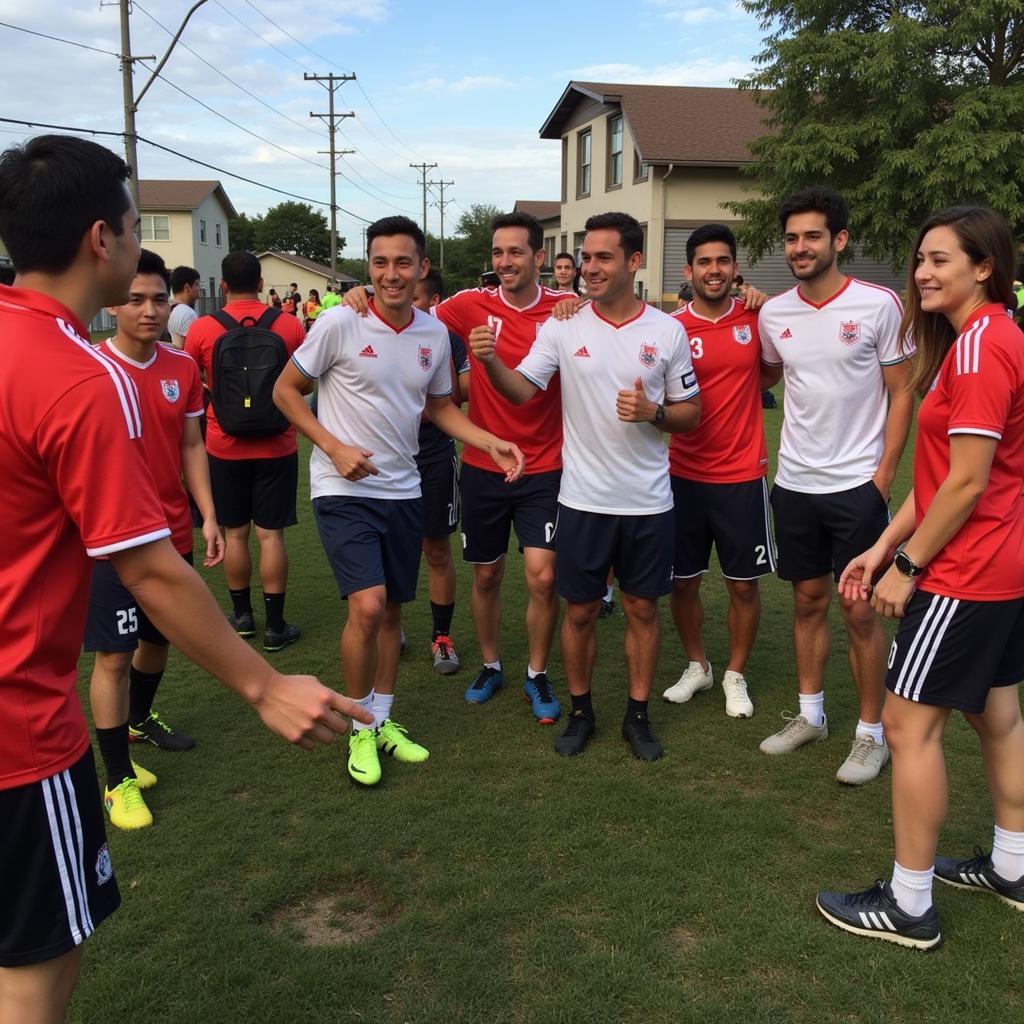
(490, 507)
(442, 505)
(733, 517)
(951, 652)
(261, 491)
(116, 622)
(818, 534)
(590, 543)
(372, 542)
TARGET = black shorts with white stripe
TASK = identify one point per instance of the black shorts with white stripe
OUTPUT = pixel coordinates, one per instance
(56, 880)
(951, 652)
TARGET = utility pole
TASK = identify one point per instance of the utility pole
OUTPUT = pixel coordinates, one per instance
(131, 101)
(331, 118)
(441, 204)
(423, 168)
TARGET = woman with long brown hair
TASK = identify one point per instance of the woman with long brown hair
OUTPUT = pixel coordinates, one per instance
(952, 572)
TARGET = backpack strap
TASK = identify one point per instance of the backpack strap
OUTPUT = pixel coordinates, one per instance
(268, 317)
(226, 320)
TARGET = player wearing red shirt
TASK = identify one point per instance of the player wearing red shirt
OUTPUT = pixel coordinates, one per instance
(77, 486)
(718, 472)
(131, 653)
(254, 478)
(953, 564)
(511, 315)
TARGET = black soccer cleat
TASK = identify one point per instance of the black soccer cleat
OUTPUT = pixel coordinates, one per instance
(156, 731)
(875, 914)
(977, 873)
(578, 731)
(244, 625)
(636, 730)
(274, 641)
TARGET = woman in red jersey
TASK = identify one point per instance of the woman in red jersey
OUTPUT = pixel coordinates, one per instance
(952, 565)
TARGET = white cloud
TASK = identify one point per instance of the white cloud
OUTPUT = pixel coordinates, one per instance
(468, 83)
(705, 71)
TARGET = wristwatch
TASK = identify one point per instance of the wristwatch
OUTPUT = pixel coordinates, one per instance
(905, 564)
(659, 415)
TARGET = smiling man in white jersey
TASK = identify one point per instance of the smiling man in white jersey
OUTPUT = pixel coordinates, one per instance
(835, 341)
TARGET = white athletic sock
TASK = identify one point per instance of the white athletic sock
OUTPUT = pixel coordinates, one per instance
(610, 592)
(532, 674)
(496, 665)
(812, 707)
(874, 731)
(912, 889)
(381, 708)
(1008, 854)
(367, 704)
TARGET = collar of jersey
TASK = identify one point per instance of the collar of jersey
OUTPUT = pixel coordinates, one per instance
(625, 323)
(989, 309)
(688, 308)
(37, 302)
(114, 350)
(821, 305)
(391, 327)
(529, 305)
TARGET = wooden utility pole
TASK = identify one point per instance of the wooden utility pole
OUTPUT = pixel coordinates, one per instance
(441, 204)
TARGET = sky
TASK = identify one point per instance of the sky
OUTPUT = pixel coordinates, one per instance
(462, 85)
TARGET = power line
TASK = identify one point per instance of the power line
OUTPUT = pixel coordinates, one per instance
(57, 39)
(249, 28)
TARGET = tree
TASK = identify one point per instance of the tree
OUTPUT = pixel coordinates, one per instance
(903, 107)
(296, 228)
(242, 232)
(474, 227)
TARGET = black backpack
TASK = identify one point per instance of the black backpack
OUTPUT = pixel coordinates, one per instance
(247, 360)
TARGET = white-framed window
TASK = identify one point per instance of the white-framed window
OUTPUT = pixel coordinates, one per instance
(216, 233)
(583, 163)
(202, 232)
(614, 151)
(156, 227)
(639, 168)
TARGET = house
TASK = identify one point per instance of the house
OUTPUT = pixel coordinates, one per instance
(186, 222)
(671, 156)
(280, 269)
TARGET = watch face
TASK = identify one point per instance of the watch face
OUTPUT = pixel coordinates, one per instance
(905, 565)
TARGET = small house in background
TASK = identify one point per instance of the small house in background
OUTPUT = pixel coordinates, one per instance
(280, 269)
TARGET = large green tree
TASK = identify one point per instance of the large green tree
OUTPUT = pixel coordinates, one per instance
(904, 107)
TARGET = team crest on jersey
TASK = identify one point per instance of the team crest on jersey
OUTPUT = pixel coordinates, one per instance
(742, 334)
(170, 389)
(104, 868)
(426, 357)
(849, 332)
(648, 354)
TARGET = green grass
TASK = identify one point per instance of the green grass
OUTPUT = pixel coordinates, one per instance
(500, 883)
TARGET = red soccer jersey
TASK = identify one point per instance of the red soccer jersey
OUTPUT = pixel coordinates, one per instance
(536, 426)
(199, 342)
(169, 392)
(979, 390)
(728, 447)
(75, 484)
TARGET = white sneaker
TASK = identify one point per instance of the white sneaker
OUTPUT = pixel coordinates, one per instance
(867, 758)
(796, 732)
(737, 701)
(692, 681)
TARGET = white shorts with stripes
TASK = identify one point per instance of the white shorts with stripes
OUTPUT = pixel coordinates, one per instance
(951, 652)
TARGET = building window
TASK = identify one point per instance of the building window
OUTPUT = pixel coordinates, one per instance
(563, 243)
(639, 167)
(216, 233)
(202, 232)
(577, 245)
(549, 251)
(156, 227)
(565, 169)
(615, 151)
(583, 163)
(643, 262)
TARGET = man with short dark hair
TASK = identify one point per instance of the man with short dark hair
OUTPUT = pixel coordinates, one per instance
(295, 296)
(835, 340)
(625, 377)
(77, 486)
(254, 478)
(186, 289)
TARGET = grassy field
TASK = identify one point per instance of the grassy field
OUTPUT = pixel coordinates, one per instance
(501, 883)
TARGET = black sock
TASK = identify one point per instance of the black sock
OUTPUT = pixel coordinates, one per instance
(636, 709)
(242, 601)
(442, 615)
(141, 691)
(113, 744)
(582, 703)
(273, 604)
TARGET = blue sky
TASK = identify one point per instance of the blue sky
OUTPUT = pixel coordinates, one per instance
(458, 84)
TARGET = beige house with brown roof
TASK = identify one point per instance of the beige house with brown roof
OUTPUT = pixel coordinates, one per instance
(186, 222)
(671, 156)
(280, 269)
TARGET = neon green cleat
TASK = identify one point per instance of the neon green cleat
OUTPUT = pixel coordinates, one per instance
(363, 762)
(143, 776)
(394, 740)
(125, 806)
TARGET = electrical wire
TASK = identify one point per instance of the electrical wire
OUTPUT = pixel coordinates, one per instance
(57, 39)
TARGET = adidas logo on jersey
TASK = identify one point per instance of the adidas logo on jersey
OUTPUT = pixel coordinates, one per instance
(368, 353)
(582, 353)
(787, 333)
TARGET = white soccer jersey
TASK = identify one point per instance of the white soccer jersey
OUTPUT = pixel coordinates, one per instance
(610, 466)
(832, 355)
(374, 383)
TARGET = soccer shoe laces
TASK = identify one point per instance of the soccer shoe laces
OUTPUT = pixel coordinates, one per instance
(793, 723)
(862, 750)
(978, 863)
(871, 895)
(130, 795)
(481, 680)
(543, 686)
(642, 724)
(155, 718)
(575, 724)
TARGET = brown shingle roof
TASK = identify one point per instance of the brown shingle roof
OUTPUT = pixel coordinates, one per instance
(179, 195)
(312, 265)
(542, 209)
(678, 124)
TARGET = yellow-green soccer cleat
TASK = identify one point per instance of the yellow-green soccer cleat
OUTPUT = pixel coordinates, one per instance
(125, 806)
(145, 778)
(394, 740)
(363, 762)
